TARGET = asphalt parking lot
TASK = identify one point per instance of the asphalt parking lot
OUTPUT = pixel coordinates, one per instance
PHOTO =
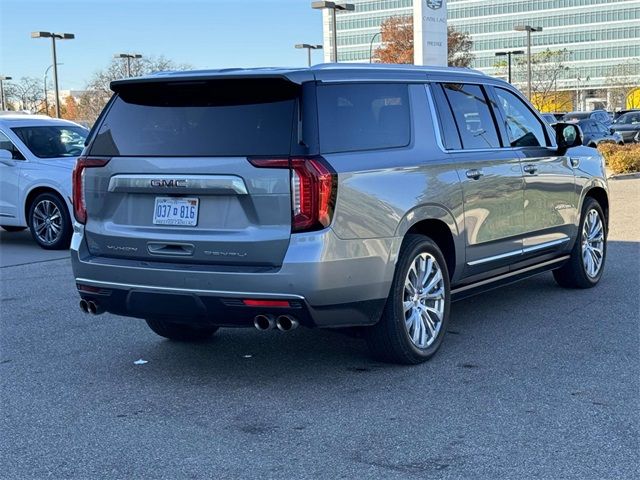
(533, 381)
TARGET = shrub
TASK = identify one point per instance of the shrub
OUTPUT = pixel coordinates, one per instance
(621, 158)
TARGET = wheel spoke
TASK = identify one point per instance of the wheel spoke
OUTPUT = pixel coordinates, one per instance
(408, 305)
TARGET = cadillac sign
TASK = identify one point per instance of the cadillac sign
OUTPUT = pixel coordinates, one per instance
(434, 4)
(430, 32)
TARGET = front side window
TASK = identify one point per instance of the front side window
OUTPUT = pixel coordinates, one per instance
(6, 144)
(473, 117)
(363, 117)
(523, 127)
(53, 141)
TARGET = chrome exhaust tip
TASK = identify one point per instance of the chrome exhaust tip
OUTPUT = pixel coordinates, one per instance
(286, 323)
(264, 322)
(84, 305)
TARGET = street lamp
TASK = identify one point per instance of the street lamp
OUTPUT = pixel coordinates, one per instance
(2, 79)
(53, 37)
(528, 29)
(309, 47)
(371, 46)
(46, 96)
(508, 55)
(129, 57)
(333, 7)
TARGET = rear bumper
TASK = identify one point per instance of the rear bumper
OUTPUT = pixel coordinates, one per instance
(328, 282)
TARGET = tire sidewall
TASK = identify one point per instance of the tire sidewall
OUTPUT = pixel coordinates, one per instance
(65, 238)
(413, 249)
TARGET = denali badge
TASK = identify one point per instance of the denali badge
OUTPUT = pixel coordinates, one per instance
(175, 183)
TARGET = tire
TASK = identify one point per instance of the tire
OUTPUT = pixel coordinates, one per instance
(393, 338)
(11, 228)
(180, 332)
(56, 233)
(577, 272)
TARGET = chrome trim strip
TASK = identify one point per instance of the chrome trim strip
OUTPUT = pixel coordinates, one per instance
(212, 293)
(210, 184)
(520, 251)
(495, 257)
(510, 274)
(544, 245)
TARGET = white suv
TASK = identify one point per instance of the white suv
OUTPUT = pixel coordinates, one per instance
(37, 156)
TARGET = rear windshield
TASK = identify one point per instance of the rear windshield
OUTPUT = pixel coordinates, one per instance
(214, 118)
(363, 117)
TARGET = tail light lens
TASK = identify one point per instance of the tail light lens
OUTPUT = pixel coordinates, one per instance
(82, 163)
(314, 186)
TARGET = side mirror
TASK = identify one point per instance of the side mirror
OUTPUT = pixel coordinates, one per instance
(568, 135)
(5, 154)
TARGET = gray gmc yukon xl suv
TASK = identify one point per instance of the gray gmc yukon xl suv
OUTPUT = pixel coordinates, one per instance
(336, 196)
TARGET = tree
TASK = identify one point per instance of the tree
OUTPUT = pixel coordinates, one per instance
(547, 68)
(71, 109)
(621, 83)
(25, 94)
(98, 89)
(397, 43)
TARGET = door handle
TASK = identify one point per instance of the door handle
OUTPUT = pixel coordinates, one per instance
(530, 168)
(575, 162)
(474, 173)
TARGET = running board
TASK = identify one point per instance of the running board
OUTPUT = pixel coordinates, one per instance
(490, 283)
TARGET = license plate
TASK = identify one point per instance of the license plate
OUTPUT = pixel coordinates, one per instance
(176, 211)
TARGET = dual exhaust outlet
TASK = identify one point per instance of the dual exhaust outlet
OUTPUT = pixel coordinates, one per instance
(91, 307)
(284, 323)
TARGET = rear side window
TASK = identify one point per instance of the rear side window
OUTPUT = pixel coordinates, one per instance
(473, 116)
(209, 118)
(363, 117)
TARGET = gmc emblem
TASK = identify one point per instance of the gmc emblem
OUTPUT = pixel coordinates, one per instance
(169, 183)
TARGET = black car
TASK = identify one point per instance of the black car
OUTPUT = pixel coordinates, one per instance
(597, 115)
(628, 126)
(595, 133)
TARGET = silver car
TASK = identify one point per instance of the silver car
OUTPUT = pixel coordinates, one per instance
(366, 196)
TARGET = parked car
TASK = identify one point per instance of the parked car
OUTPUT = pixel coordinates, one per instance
(628, 126)
(594, 133)
(622, 112)
(597, 115)
(550, 118)
(37, 156)
(343, 195)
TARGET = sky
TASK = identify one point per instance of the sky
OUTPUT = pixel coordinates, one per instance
(201, 33)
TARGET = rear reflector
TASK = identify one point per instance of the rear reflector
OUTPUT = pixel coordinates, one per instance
(266, 303)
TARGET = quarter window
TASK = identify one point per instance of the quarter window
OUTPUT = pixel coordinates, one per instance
(473, 116)
(523, 127)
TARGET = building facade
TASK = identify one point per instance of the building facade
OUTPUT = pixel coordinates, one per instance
(599, 39)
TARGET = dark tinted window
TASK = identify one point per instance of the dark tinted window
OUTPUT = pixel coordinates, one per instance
(363, 117)
(214, 118)
(523, 127)
(448, 129)
(53, 141)
(473, 116)
(6, 144)
(586, 126)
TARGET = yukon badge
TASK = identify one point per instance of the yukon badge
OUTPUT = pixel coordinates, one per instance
(172, 183)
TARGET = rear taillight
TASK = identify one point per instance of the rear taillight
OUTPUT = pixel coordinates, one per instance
(82, 163)
(314, 186)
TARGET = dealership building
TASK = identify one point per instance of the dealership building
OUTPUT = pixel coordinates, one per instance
(602, 37)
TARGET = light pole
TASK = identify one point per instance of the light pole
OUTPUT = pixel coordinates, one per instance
(309, 47)
(371, 46)
(53, 37)
(333, 7)
(2, 79)
(46, 96)
(508, 55)
(528, 29)
(129, 57)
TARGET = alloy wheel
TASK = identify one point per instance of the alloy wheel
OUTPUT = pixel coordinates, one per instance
(47, 222)
(424, 300)
(592, 243)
